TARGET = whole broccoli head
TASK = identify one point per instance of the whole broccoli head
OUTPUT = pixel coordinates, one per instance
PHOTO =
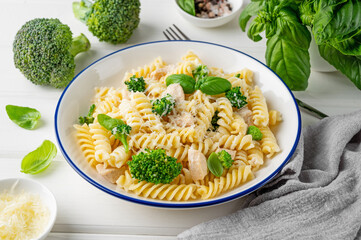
(235, 96)
(255, 132)
(44, 52)
(111, 21)
(225, 158)
(163, 106)
(154, 166)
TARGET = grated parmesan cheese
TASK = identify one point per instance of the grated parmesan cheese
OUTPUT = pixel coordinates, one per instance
(22, 216)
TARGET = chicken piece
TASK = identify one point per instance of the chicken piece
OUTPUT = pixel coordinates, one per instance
(186, 119)
(176, 91)
(111, 174)
(231, 152)
(246, 114)
(159, 73)
(197, 164)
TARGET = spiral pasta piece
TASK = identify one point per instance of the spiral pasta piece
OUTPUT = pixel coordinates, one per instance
(118, 157)
(168, 192)
(85, 141)
(144, 107)
(233, 178)
(268, 142)
(259, 107)
(101, 138)
(235, 142)
(255, 156)
(274, 117)
(154, 140)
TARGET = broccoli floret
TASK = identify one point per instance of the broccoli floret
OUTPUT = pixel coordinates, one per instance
(44, 52)
(154, 166)
(238, 75)
(111, 21)
(214, 121)
(135, 84)
(255, 132)
(225, 158)
(88, 119)
(163, 106)
(200, 72)
(235, 96)
(119, 129)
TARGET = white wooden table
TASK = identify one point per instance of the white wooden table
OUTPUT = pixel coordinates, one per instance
(84, 211)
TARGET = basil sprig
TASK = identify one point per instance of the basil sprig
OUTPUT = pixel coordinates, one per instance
(25, 117)
(188, 6)
(39, 159)
(214, 165)
(207, 84)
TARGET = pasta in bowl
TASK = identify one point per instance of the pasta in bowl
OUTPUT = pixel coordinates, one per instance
(179, 131)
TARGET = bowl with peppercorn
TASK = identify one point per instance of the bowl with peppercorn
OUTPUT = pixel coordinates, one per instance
(209, 13)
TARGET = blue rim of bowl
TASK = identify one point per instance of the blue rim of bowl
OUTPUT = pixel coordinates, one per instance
(177, 205)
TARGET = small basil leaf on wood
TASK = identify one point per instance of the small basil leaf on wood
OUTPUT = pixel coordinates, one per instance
(348, 65)
(108, 122)
(25, 117)
(215, 85)
(188, 6)
(214, 165)
(39, 159)
(187, 82)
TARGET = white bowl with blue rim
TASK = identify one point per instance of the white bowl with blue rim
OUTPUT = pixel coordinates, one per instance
(109, 70)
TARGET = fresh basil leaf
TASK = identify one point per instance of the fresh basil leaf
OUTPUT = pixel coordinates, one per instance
(25, 117)
(350, 46)
(289, 61)
(39, 159)
(287, 50)
(252, 9)
(108, 122)
(187, 82)
(335, 19)
(214, 165)
(256, 27)
(188, 6)
(307, 12)
(348, 65)
(215, 85)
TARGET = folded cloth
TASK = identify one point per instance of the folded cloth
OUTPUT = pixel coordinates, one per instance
(317, 195)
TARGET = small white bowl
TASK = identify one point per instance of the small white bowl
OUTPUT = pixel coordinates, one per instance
(33, 187)
(212, 22)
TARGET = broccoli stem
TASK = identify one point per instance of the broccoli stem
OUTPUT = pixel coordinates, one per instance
(123, 139)
(81, 9)
(79, 44)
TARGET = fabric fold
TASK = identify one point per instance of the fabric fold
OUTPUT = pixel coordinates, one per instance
(315, 196)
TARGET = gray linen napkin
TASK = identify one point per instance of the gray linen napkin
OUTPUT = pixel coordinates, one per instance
(317, 195)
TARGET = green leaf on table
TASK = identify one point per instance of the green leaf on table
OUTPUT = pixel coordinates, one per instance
(348, 65)
(188, 6)
(350, 46)
(39, 159)
(25, 117)
(256, 27)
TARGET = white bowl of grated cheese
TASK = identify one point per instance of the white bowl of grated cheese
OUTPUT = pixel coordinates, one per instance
(27, 209)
